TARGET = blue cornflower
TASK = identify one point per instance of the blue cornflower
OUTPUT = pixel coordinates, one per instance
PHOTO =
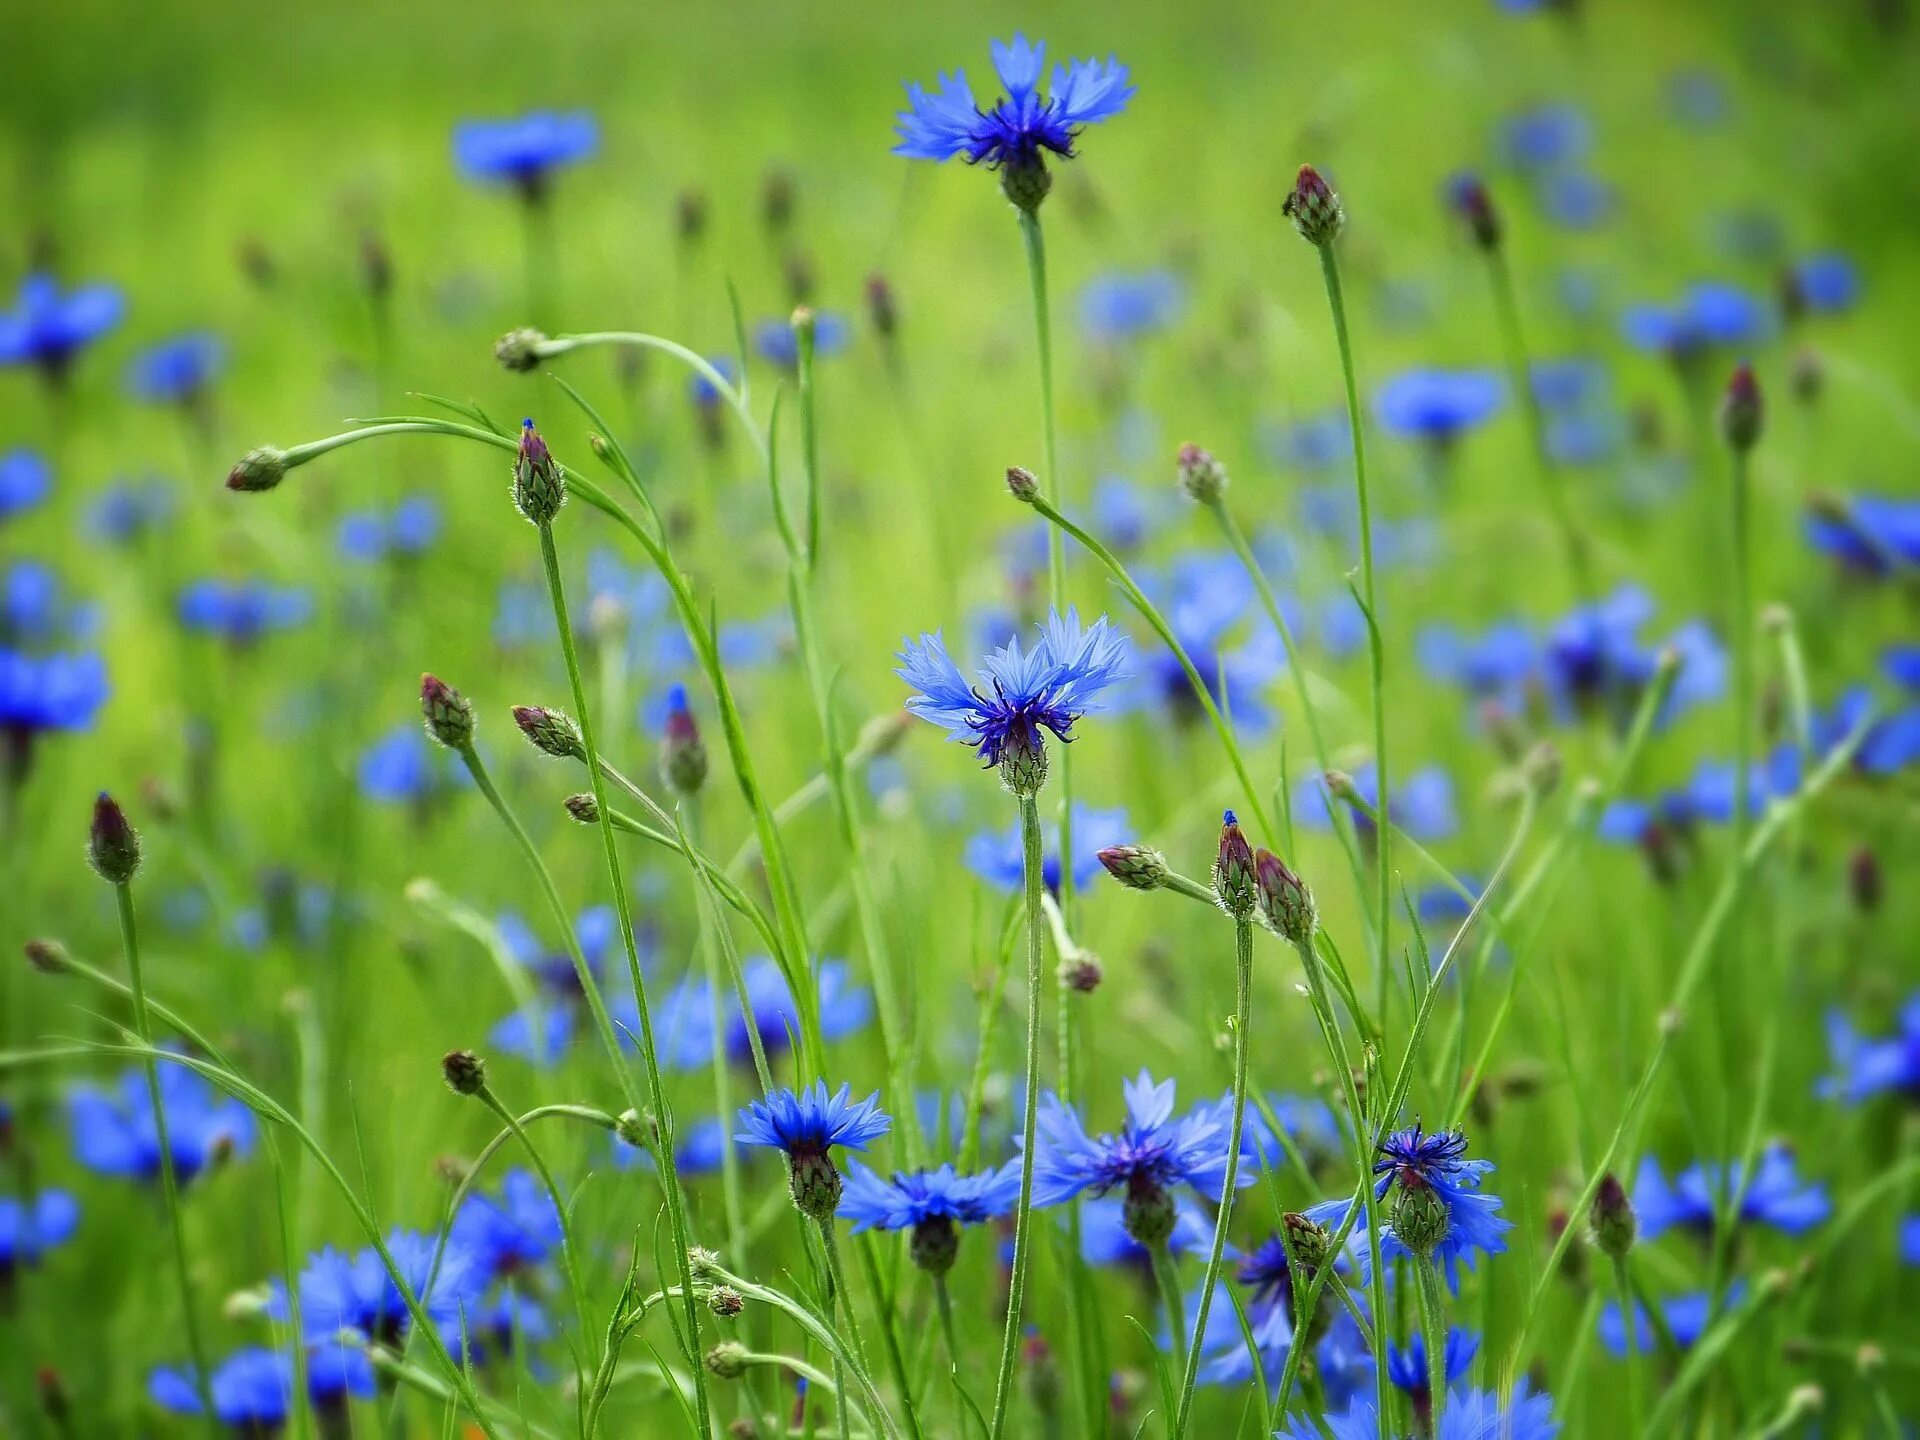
(1868, 533)
(510, 1232)
(776, 343)
(1321, 442)
(1576, 200)
(525, 151)
(354, 1292)
(1546, 136)
(1119, 307)
(1469, 1415)
(1438, 405)
(1104, 1240)
(1422, 806)
(1824, 283)
(806, 1125)
(1152, 1153)
(242, 611)
(1696, 98)
(403, 767)
(30, 1228)
(1901, 664)
(25, 479)
(683, 1019)
(176, 371)
(1910, 1239)
(1407, 1368)
(1567, 384)
(252, 1390)
(1048, 686)
(997, 856)
(1438, 1208)
(1710, 313)
(1777, 1196)
(1686, 1317)
(39, 693)
(409, 529)
(1864, 1068)
(125, 510)
(1023, 124)
(1495, 664)
(1205, 599)
(701, 1149)
(1595, 657)
(1122, 515)
(48, 329)
(1309, 1123)
(931, 1203)
(114, 1134)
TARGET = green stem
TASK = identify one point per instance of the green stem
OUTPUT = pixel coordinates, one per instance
(888, 1312)
(1166, 1277)
(1433, 1320)
(169, 1185)
(1630, 1327)
(708, 919)
(1023, 1213)
(1242, 1018)
(623, 911)
(840, 1297)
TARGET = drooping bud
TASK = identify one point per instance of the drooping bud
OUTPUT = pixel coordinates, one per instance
(728, 1360)
(113, 849)
(1202, 477)
(1475, 206)
(683, 755)
(1285, 902)
(1613, 1222)
(261, 468)
(1314, 208)
(1026, 183)
(584, 808)
(935, 1244)
(725, 1301)
(1235, 883)
(814, 1184)
(519, 350)
(1741, 410)
(1022, 483)
(1419, 1217)
(448, 713)
(551, 731)
(1138, 867)
(49, 957)
(539, 485)
(1149, 1212)
(464, 1072)
(1082, 973)
(883, 312)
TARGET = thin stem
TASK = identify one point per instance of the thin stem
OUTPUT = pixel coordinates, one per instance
(169, 1185)
(1630, 1327)
(707, 920)
(1242, 1018)
(1166, 1277)
(1023, 1213)
(841, 1297)
(943, 1302)
(1433, 1320)
(623, 911)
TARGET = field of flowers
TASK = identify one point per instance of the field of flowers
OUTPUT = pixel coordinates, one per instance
(837, 721)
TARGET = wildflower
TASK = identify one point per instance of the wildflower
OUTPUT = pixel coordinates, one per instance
(997, 856)
(44, 693)
(400, 767)
(447, 713)
(25, 479)
(1138, 867)
(510, 1231)
(1437, 1206)
(1576, 200)
(1910, 1239)
(595, 932)
(1407, 1369)
(683, 1020)
(1708, 314)
(1864, 1068)
(1468, 1415)
(1314, 208)
(409, 529)
(683, 757)
(1422, 806)
(252, 1390)
(1614, 1224)
(702, 1148)
(356, 1293)
(539, 484)
(930, 1203)
(113, 847)
(48, 329)
(1825, 283)
(1235, 884)
(1438, 405)
(114, 1134)
(1116, 308)
(1741, 410)
(176, 371)
(1467, 193)
(524, 152)
(32, 1225)
(464, 1072)
(1014, 135)
(1285, 902)
(1206, 598)
(1686, 1317)
(1048, 686)
(1152, 1153)
(241, 612)
(805, 1126)
(777, 344)
(1776, 1196)
(1546, 137)
(1870, 534)
(1202, 477)
(1104, 1240)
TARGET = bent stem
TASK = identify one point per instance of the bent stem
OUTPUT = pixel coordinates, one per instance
(1023, 1214)
(1242, 1013)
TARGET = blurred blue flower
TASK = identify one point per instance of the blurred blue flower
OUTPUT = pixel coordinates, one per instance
(177, 370)
(1686, 1317)
(1868, 533)
(1023, 123)
(1468, 1415)
(402, 766)
(1902, 665)
(1407, 1367)
(1104, 1240)
(1825, 283)
(114, 1133)
(25, 480)
(1576, 199)
(1152, 1151)
(1422, 805)
(1696, 99)
(1438, 405)
(526, 150)
(1544, 137)
(356, 1293)
(1497, 663)
(29, 1227)
(1710, 313)
(242, 611)
(410, 528)
(1910, 1239)
(1122, 516)
(812, 1121)
(1118, 307)
(684, 1016)
(126, 510)
(908, 1200)
(510, 1231)
(1864, 1068)
(1321, 442)
(1205, 598)
(252, 1390)
(997, 856)
(776, 343)
(1777, 1196)
(47, 328)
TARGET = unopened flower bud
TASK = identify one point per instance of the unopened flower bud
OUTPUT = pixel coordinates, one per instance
(1419, 1217)
(1541, 767)
(551, 731)
(1475, 206)
(1022, 484)
(448, 713)
(1138, 867)
(882, 311)
(683, 756)
(584, 808)
(49, 957)
(636, 1129)
(539, 485)
(1235, 884)
(690, 216)
(1314, 208)
(702, 1262)
(113, 849)
(1202, 477)
(1148, 1213)
(261, 468)
(1309, 1244)
(1741, 410)
(1864, 880)
(728, 1360)
(464, 1071)
(1614, 1224)
(1285, 902)
(815, 1185)
(725, 1301)
(519, 350)
(376, 265)
(1082, 973)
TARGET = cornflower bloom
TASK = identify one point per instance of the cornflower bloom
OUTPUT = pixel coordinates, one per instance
(48, 329)
(1437, 1207)
(1776, 1196)
(931, 1203)
(525, 152)
(115, 1135)
(805, 1126)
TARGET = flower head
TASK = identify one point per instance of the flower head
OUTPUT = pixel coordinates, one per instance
(115, 1135)
(1438, 405)
(252, 1390)
(525, 151)
(242, 611)
(683, 1019)
(509, 1231)
(1776, 1196)
(25, 479)
(1686, 1317)
(31, 1227)
(931, 1203)
(1870, 1067)
(1437, 1207)
(176, 371)
(47, 328)
(997, 857)
(1048, 685)
(805, 1126)
(1407, 1367)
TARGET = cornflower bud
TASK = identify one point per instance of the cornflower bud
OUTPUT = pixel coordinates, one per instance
(448, 713)
(1285, 902)
(551, 731)
(113, 849)
(1741, 410)
(1314, 208)
(1202, 477)
(261, 468)
(683, 756)
(1138, 867)
(464, 1072)
(1235, 884)
(1613, 1222)
(1022, 483)
(539, 485)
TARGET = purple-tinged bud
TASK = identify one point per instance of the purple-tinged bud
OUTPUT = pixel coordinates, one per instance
(1614, 1225)
(1081, 973)
(113, 849)
(725, 1301)
(519, 350)
(1026, 183)
(1148, 1214)
(1475, 206)
(49, 957)
(1314, 208)
(778, 195)
(814, 1183)
(539, 485)
(55, 1403)
(1340, 785)
(1864, 880)
(1022, 484)
(1235, 884)
(683, 756)
(727, 1360)
(883, 312)
(261, 468)
(690, 216)
(1202, 477)
(448, 713)
(376, 265)
(935, 1244)
(1741, 410)
(551, 731)
(464, 1072)
(1285, 902)
(1138, 867)
(584, 808)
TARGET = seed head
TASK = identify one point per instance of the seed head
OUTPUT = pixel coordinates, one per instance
(725, 1301)
(519, 350)
(728, 1360)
